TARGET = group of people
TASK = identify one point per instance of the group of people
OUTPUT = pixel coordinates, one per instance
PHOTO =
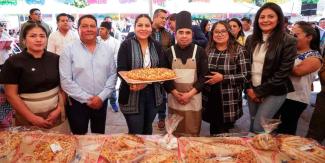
(77, 75)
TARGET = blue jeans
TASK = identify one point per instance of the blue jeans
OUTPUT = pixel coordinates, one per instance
(141, 123)
(162, 109)
(267, 109)
(113, 98)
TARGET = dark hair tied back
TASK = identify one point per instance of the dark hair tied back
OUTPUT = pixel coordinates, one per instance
(31, 26)
(309, 30)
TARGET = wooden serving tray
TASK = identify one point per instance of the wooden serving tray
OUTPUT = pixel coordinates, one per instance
(132, 81)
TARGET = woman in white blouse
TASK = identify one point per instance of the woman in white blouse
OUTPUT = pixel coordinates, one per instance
(307, 64)
(139, 102)
(272, 53)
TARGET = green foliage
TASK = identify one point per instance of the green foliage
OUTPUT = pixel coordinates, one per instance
(80, 3)
(310, 1)
(8, 2)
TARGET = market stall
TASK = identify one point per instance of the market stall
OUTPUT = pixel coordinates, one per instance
(37, 146)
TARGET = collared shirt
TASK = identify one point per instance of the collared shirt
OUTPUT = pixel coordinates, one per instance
(84, 74)
(249, 32)
(157, 36)
(57, 41)
(113, 43)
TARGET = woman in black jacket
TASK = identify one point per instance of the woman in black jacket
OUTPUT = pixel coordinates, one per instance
(272, 55)
(139, 102)
(205, 26)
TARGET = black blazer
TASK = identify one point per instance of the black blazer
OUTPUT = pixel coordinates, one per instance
(124, 63)
(277, 67)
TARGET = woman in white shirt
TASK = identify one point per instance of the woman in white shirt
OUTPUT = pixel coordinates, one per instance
(307, 64)
(272, 53)
(139, 103)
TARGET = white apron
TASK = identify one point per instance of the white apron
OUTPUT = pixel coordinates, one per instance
(42, 104)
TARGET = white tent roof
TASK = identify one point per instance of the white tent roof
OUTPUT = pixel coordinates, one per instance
(114, 7)
(52, 6)
(142, 6)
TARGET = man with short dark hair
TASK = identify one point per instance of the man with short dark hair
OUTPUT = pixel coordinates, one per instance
(71, 22)
(322, 23)
(246, 23)
(114, 44)
(113, 32)
(160, 34)
(109, 20)
(61, 37)
(88, 76)
(34, 16)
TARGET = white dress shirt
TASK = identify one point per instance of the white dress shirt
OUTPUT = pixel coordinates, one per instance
(57, 41)
(249, 32)
(113, 43)
(84, 74)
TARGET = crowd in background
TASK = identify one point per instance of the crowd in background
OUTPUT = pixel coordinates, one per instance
(63, 79)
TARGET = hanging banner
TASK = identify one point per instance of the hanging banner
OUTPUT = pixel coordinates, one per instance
(277, 1)
(310, 1)
(127, 1)
(66, 1)
(261, 2)
(78, 3)
(38, 2)
(97, 1)
(244, 1)
(8, 2)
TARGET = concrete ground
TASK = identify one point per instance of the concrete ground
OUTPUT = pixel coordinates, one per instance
(115, 122)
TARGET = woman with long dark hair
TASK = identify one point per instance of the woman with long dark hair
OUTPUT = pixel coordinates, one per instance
(237, 30)
(139, 102)
(205, 26)
(32, 83)
(272, 55)
(228, 67)
(307, 64)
